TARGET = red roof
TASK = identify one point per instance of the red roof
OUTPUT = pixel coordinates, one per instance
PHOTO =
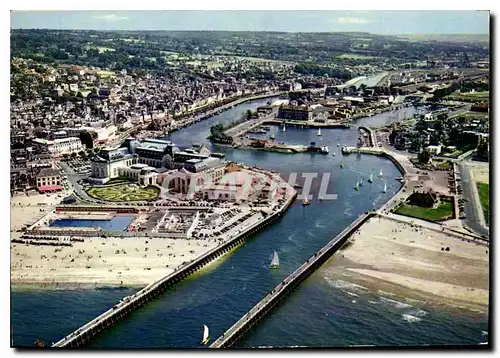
(44, 188)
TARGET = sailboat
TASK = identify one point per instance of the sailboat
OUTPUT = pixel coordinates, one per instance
(333, 154)
(284, 128)
(370, 179)
(319, 132)
(385, 188)
(356, 187)
(275, 263)
(305, 202)
(206, 338)
(338, 144)
(273, 135)
(361, 182)
(380, 174)
(341, 164)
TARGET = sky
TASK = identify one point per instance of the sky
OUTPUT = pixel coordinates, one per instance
(377, 22)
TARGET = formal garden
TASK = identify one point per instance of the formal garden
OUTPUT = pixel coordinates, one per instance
(124, 192)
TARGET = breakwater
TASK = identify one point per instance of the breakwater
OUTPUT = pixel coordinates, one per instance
(235, 332)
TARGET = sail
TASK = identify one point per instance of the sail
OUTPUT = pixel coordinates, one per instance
(380, 172)
(319, 131)
(276, 260)
(205, 332)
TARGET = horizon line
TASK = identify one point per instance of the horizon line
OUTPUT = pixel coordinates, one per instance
(265, 31)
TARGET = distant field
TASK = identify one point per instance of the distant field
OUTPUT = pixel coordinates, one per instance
(448, 38)
(105, 74)
(442, 212)
(471, 96)
(484, 197)
(355, 56)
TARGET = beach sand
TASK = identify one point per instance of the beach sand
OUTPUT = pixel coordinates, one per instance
(481, 172)
(394, 257)
(96, 262)
(102, 262)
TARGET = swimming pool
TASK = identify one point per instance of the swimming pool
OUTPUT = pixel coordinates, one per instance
(117, 223)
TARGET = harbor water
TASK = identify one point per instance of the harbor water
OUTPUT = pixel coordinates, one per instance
(320, 312)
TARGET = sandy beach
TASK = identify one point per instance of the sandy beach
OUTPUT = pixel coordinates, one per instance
(412, 262)
(134, 261)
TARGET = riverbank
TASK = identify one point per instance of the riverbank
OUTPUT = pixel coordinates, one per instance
(416, 263)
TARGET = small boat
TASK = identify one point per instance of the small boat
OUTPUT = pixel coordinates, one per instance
(275, 263)
(385, 188)
(206, 338)
(284, 127)
(370, 179)
(39, 343)
(273, 135)
(338, 144)
(333, 154)
(380, 174)
(324, 149)
(319, 132)
(356, 187)
(341, 164)
(305, 202)
(361, 182)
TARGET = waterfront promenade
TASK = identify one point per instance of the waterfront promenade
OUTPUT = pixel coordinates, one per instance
(236, 331)
(130, 303)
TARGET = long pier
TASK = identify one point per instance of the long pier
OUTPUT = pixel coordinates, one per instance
(131, 303)
(235, 332)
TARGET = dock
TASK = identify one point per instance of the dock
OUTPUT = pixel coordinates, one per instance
(129, 304)
(236, 331)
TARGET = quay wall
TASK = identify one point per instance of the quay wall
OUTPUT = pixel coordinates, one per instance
(127, 305)
(236, 332)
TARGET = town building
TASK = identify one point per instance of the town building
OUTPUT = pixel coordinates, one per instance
(58, 147)
(48, 179)
(295, 113)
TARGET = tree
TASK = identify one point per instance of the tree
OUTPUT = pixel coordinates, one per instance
(424, 156)
(86, 139)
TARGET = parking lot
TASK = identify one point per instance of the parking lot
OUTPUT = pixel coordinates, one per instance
(79, 165)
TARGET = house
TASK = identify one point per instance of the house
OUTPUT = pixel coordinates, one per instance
(48, 179)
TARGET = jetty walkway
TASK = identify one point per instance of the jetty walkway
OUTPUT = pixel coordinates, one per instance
(235, 332)
(130, 303)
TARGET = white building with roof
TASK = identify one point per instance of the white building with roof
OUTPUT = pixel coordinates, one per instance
(59, 147)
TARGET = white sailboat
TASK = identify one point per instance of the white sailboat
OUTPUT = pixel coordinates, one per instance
(206, 338)
(356, 187)
(380, 174)
(333, 154)
(361, 182)
(275, 263)
(273, 135)
(284, 128)
(319, 132)
(385, 187)
(370, 179)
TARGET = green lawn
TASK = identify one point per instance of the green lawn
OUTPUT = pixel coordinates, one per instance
(444, 165)
(124, 192)
(443, 211)
(484, 197)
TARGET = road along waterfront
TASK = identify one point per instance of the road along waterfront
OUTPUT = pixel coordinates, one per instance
(221, 293)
